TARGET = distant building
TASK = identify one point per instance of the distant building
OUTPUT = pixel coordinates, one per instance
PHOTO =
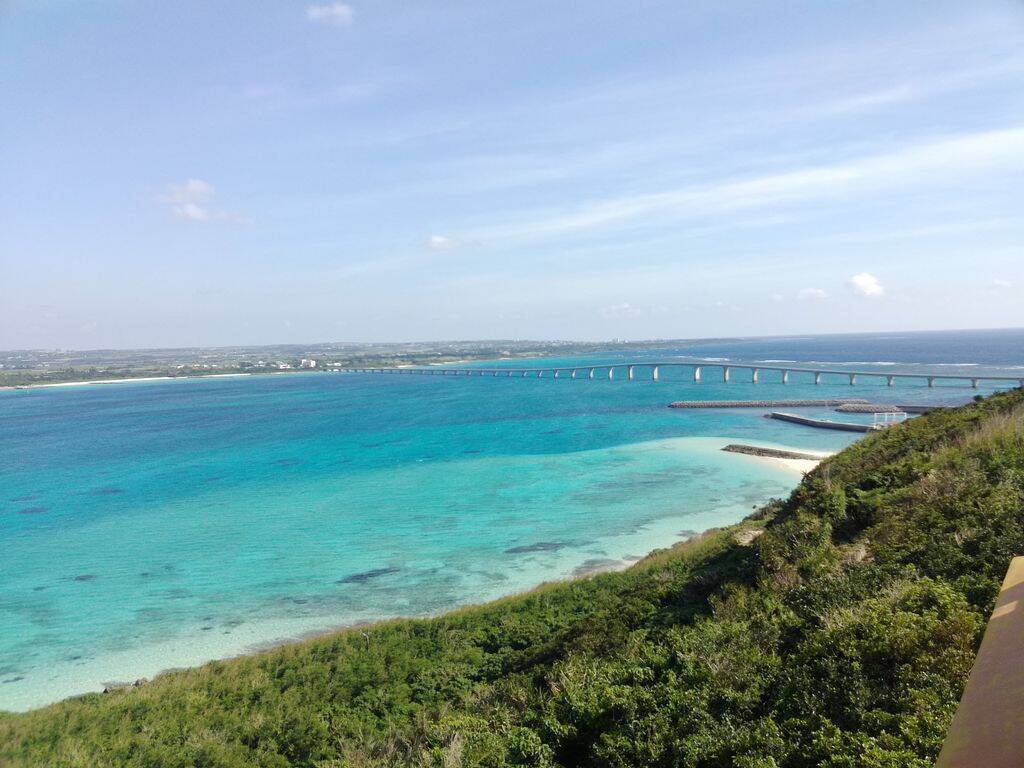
(307, 363)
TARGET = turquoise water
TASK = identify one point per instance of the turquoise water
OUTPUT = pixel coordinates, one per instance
(157, 524)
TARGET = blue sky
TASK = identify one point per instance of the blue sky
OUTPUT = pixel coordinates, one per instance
(202, 173)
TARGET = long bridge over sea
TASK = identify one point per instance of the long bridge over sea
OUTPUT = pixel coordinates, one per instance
(698, 369)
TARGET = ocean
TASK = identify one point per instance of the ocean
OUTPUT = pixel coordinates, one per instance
(150, 525)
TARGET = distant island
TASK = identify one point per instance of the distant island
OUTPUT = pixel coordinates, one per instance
(20, 368)
(836, 627)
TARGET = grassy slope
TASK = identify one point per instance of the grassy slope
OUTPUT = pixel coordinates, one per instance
(842, 636)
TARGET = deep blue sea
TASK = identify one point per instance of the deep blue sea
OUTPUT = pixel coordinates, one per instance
(150, 525)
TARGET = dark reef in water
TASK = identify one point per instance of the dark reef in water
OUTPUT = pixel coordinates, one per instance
(108, 491)
(596, 565)
(359, 578)
(33, 510)
(540, 546)
(85, 577)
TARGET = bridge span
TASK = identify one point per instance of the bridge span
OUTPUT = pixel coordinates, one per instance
(631, 370)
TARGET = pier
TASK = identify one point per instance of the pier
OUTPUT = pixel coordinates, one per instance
(770, 403)
(636, 370)
(843, 426)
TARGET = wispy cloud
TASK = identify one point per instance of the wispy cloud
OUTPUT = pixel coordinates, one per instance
(280, 97)
(617, 311)
(336, 14)
(812, 294)
(941, 160)
(441, 243)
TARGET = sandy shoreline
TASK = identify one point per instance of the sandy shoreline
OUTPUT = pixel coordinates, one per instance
(124, 381)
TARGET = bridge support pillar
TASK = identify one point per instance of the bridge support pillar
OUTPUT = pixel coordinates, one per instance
(890, 381)
(591, 375)
(654, 373)
(573, 374)
(726, 373)
(631, 373)
(817, 378)
(753, 376)
(931, 381)
(557, 372)
(974, 383)
(696, 373)
(853, 379)
(785, 377)
(611, 374)
(540, 373)
(525, 373)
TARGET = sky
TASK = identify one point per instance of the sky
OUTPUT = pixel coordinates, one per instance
(211, 172)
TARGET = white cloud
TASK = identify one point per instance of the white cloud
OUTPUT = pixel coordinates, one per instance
(1000, 283)
(192, 212)
(812, 294)
(441, 243)
(190, 201)
(778, 298)
(867, 285)
(336, 14)
(621, 310)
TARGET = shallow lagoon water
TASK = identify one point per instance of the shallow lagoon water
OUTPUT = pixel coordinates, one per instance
(158, 524)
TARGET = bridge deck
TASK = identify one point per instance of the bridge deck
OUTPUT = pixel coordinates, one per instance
(588, 370)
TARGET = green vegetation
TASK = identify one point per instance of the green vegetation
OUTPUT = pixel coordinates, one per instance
(840, 636)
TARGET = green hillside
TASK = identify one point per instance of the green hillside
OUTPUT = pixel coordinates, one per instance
(840, 636)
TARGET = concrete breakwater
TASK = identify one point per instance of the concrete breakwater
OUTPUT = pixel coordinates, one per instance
(767, 403)
(885, 408)
(774, 453)
(844, 426)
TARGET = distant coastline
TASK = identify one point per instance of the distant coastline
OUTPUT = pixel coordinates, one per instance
(129, 378)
